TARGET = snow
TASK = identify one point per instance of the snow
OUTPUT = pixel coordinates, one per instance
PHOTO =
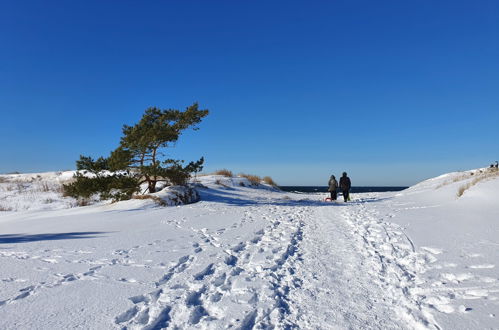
(251, 257)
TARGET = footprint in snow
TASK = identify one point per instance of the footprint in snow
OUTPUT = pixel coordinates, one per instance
(431, 250)
(483, 266)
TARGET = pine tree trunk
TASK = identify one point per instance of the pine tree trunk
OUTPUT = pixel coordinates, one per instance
(152, 186)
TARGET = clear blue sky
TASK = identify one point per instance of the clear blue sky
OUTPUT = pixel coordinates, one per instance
(392, 92)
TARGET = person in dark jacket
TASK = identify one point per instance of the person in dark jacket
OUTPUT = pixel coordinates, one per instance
(345, 186)
(332, 186)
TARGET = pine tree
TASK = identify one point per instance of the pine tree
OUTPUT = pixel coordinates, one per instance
(141, 146)
(139, 157)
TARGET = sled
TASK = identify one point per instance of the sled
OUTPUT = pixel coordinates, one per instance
(327, 199)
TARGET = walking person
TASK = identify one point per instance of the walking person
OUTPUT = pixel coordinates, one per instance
(333, 185)
(345, 186)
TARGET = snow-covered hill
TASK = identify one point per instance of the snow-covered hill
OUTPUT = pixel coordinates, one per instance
(252, 257)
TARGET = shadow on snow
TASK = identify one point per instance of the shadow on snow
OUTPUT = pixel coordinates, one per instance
(24, 238)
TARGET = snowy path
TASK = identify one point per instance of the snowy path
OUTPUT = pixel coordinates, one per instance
(357, 271)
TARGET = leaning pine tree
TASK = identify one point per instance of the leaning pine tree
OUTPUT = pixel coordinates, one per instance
(140, 157)
(142, 146)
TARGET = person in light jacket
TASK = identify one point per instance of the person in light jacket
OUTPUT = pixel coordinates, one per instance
(333, 185)
(345, 186)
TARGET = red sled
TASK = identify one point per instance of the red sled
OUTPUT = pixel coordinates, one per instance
(327, 199)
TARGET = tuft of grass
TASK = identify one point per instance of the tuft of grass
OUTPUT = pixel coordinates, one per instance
(462, 189)
(270, 181)
(3, 179)
(224, 172)
(253, 179)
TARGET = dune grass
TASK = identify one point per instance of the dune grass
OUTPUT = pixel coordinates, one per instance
(224, 172)
(255, 180)
(483, 175)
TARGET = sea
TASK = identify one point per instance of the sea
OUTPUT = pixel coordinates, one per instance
(353, 190)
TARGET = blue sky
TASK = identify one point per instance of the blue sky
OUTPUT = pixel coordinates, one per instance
(392, 92)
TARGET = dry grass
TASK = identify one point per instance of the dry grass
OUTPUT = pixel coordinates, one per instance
(270, 181)
(487, 174)
(3, 179)
(462, 177)
(224, 172)
(45, 187)
(158, 200)
(5, 209)
(253, 179)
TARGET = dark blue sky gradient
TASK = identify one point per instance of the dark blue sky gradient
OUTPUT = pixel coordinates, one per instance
(391, 91)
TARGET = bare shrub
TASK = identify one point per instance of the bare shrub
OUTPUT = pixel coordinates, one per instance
(270, 181)
(60, 190)
(224, 172)
(219, 182)
(83, 202)
(253, 179)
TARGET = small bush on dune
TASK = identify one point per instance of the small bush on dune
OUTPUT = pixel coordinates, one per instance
(253, 179)
(224, 172)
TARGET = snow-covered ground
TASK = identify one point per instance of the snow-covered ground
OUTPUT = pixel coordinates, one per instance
(253, 257)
